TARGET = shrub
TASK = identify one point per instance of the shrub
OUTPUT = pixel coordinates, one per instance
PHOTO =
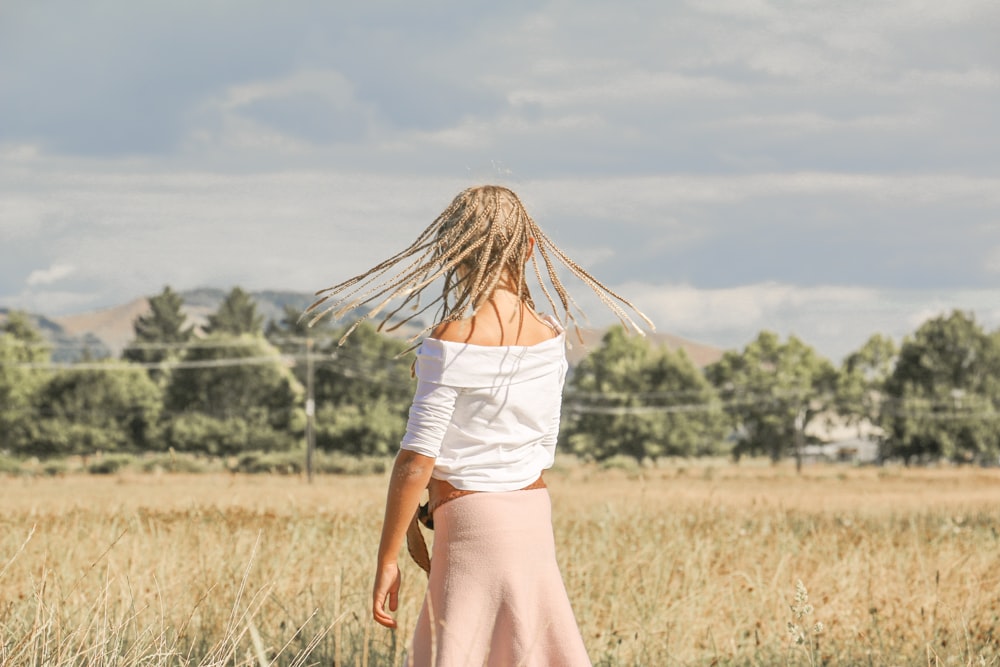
(197, 432)
(176, 463)
(294, 463)
(9, 465)
(55, 468)
(283, 463)
(110, 464)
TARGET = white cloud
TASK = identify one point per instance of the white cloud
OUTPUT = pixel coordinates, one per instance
(19, 151)
(231, 119)
(238, 134)
(647, 191)
(53, 274)
(993, 262)
(623, 86)
(976, 78)
(487, 133)
(912, 13)
(834, 320)
(751, 9)
(807, 121)
(52, 302)
(327, 84)
(748, 307)
(21, 216)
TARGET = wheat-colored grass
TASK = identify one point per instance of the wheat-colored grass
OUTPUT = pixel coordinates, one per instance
(685, 564)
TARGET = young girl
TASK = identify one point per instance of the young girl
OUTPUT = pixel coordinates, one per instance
(481, 430)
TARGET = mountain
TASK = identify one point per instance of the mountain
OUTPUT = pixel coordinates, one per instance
(700, 354)
(111, 326)
(66, 346)
(106, 332)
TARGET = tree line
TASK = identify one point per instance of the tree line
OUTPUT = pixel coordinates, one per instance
(239, 385)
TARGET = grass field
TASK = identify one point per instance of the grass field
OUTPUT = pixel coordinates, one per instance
(684, 564)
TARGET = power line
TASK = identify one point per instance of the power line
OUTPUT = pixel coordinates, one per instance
(349, 364)
(128, 366)
(179, 345)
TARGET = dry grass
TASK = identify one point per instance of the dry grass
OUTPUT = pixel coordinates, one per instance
(671, 566)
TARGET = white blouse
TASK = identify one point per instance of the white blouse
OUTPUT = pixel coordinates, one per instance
(489, 415)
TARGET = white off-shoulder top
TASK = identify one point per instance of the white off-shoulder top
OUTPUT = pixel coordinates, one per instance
(489, 415)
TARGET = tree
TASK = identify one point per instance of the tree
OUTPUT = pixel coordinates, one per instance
(293, 326)
(109, 408)
(363, 391)
(241, 378)
(772, 391)
(161, 333)
(366, 429)
(294, 336)
(368, 366)
(945, 392)
(628, 398)
(861, 381)
(237, 314)
(21, 348)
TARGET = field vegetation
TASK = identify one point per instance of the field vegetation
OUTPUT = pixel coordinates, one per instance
(687, 562)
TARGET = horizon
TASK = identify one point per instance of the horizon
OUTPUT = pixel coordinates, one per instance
(221, 292)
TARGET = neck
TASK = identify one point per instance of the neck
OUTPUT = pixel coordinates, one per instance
(505, 292)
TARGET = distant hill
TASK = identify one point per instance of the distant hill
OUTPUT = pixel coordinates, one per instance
(106, 332)
(66, 346)
(113, 327)
(700, 354)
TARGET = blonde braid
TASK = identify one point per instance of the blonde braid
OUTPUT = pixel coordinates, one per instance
(481, 238)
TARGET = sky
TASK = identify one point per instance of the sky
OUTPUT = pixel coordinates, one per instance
(827, 170)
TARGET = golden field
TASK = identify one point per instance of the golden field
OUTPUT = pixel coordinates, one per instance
(682, 564)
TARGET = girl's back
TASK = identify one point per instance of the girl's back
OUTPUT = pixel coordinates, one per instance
(502, 320)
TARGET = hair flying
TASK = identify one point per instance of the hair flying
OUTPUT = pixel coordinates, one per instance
(480, 241)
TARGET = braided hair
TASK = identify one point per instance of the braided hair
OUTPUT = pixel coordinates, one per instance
(481, 240)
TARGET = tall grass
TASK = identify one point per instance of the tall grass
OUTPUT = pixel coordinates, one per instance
(679, 565)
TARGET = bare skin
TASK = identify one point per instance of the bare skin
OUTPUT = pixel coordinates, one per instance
(503, 319)
(410, 474)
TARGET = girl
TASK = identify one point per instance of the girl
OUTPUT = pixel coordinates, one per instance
(481, 430)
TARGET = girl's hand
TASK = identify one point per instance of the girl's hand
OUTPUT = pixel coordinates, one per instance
(387, 580)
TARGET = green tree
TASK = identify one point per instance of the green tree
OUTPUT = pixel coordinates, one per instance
(773, 390)
(368, 429)
(237, 314)
(628, 398)
(363, 391)
(292, 329)
(367, 367)
(21, 348)
(107, 407)
(241, 378)
(945, 392)
(861, 381)
(292, 335)
(160, 334)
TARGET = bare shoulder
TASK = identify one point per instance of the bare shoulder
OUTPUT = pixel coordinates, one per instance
(490, 327)
(457, 331)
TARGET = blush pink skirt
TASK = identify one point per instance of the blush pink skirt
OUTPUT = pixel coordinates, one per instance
(495, 595)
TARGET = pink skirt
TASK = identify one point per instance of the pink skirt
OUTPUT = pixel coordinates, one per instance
(495, 595)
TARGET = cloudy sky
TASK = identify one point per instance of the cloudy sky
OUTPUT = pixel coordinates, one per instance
(823, 169)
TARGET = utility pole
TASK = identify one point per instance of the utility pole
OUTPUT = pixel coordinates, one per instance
(800, 424)
(310, 411)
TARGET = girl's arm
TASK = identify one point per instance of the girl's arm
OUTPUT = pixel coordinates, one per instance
(410, 474)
